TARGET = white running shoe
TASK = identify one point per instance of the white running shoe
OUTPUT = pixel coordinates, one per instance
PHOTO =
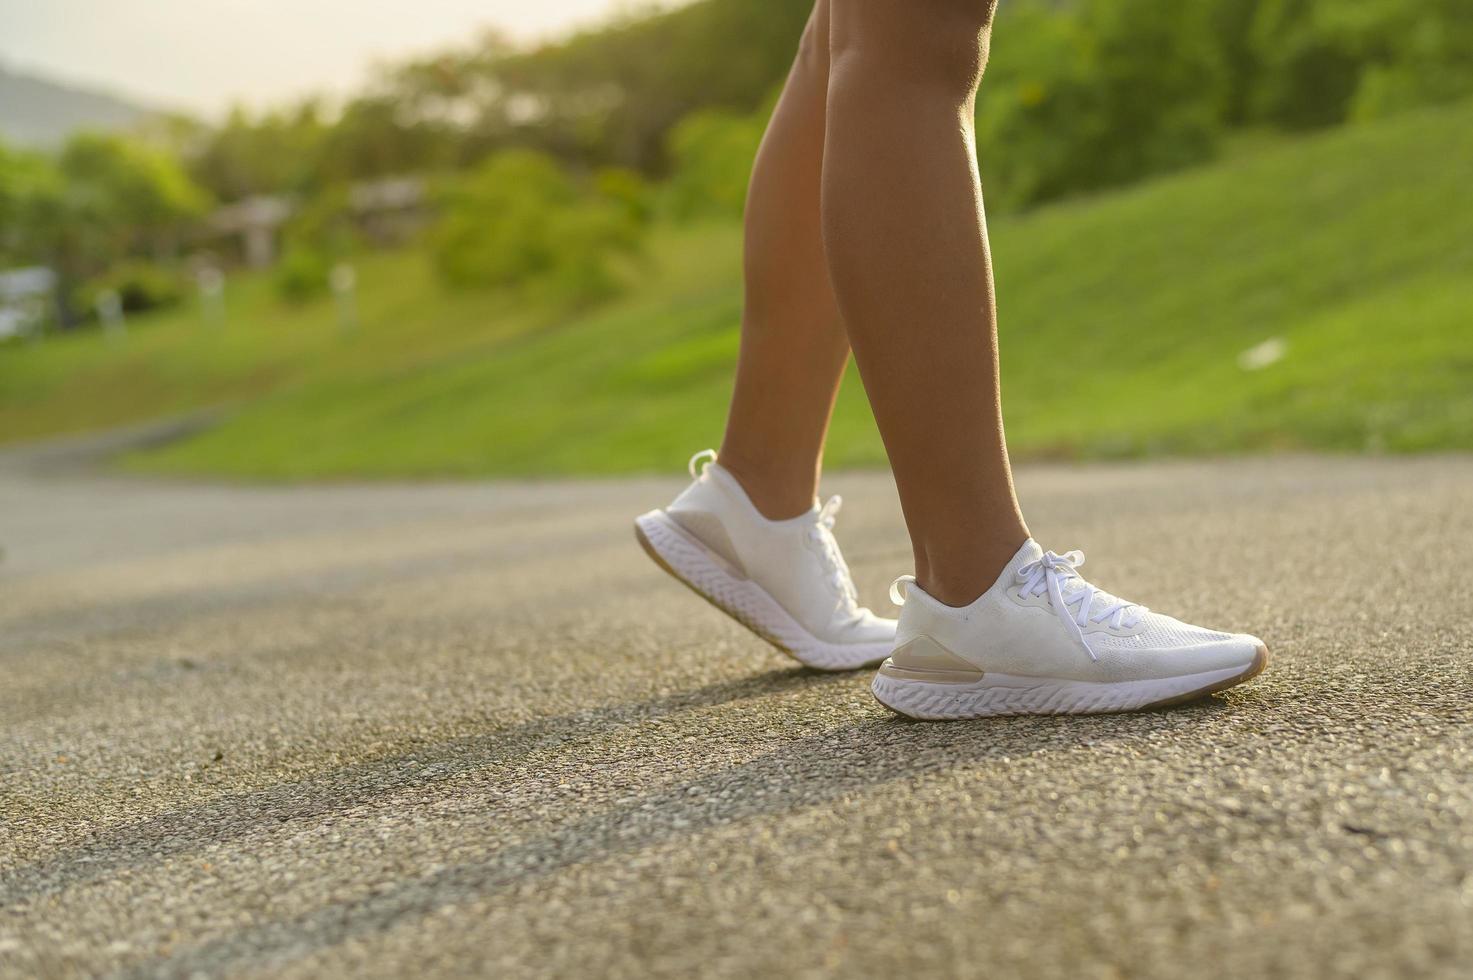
(784, 580)
(1042, 640)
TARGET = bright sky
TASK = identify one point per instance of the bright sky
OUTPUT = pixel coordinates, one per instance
(202, 55)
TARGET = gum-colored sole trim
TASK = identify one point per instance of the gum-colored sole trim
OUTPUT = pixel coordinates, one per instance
(923, 659)
(925, 676)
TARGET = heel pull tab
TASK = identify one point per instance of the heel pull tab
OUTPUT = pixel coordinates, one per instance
(898, 595)
(695, 466)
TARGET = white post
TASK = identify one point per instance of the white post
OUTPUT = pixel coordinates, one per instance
(109, 306)
(344, 281)
(211, 283)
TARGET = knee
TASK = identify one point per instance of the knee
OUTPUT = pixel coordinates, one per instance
(935, 43)
(813, 46)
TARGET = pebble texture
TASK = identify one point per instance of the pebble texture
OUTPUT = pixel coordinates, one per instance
(434, 730)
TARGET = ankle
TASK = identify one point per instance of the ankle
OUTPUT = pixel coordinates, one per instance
(958, 577)
(957, 593)
(777, 496)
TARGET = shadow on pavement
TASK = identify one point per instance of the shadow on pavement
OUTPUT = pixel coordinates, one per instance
(231, 816)
(812, 770)
(799, 773)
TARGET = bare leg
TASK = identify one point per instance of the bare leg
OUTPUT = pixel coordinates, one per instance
(793, 344)
(906, 243)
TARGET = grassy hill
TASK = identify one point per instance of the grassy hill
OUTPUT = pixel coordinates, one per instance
(1123, 319)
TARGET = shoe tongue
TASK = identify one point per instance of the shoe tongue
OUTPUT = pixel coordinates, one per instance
(1030, 551)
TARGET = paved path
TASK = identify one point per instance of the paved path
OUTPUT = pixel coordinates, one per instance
(424, 730)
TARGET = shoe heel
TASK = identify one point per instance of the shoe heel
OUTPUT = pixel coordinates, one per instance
(924, 660)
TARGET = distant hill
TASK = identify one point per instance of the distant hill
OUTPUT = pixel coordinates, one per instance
(39, 112)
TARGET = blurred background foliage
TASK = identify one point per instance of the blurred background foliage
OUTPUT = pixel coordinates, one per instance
(520, 220)
(544, 183)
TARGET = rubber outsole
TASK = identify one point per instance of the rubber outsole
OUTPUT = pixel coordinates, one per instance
(743, 600)
(1041, 696)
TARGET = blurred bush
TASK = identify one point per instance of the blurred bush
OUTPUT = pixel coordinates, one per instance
(319, 235)
(301, 273)
(519, 220)
(1071, 104)
(711, 154)
(627, 189)
(1320, 62)
(325, 223)
(139, 285)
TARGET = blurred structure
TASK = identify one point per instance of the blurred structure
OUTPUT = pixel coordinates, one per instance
(389, 211)
(25, 298)
(385, 212)
(254, 226)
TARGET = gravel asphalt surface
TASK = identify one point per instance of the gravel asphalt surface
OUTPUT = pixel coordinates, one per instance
(430, 730)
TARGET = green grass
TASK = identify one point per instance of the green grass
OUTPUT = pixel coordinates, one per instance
(1122, 319)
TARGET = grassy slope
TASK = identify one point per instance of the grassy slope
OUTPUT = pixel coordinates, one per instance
(1122, 319)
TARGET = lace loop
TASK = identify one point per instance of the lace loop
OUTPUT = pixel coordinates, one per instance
(828, 516)
(897, 596)
(1051, 572)
(822, 534)
(709, 455)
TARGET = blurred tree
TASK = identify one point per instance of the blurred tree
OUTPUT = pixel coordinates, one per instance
(1307, 74)
(613, 94)
(519, 220)
(105, 199)
(1070, 104)
(712, 153)
(379, 136)
(301, 150)
(277, 152)
(32, 194)
(1322, 61)
(130, 189)
(1416, 53)
(1229, 24)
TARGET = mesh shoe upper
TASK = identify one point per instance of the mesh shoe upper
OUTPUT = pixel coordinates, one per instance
(797, 561)
(1068, 629)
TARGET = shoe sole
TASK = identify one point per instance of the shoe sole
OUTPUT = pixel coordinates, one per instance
(706, 574)
(1003, 694)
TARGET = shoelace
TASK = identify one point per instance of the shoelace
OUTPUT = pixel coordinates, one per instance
(1051, 572)
(822, 533)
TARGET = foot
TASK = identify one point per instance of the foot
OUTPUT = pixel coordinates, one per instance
(1042, 640)
(784, 580)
